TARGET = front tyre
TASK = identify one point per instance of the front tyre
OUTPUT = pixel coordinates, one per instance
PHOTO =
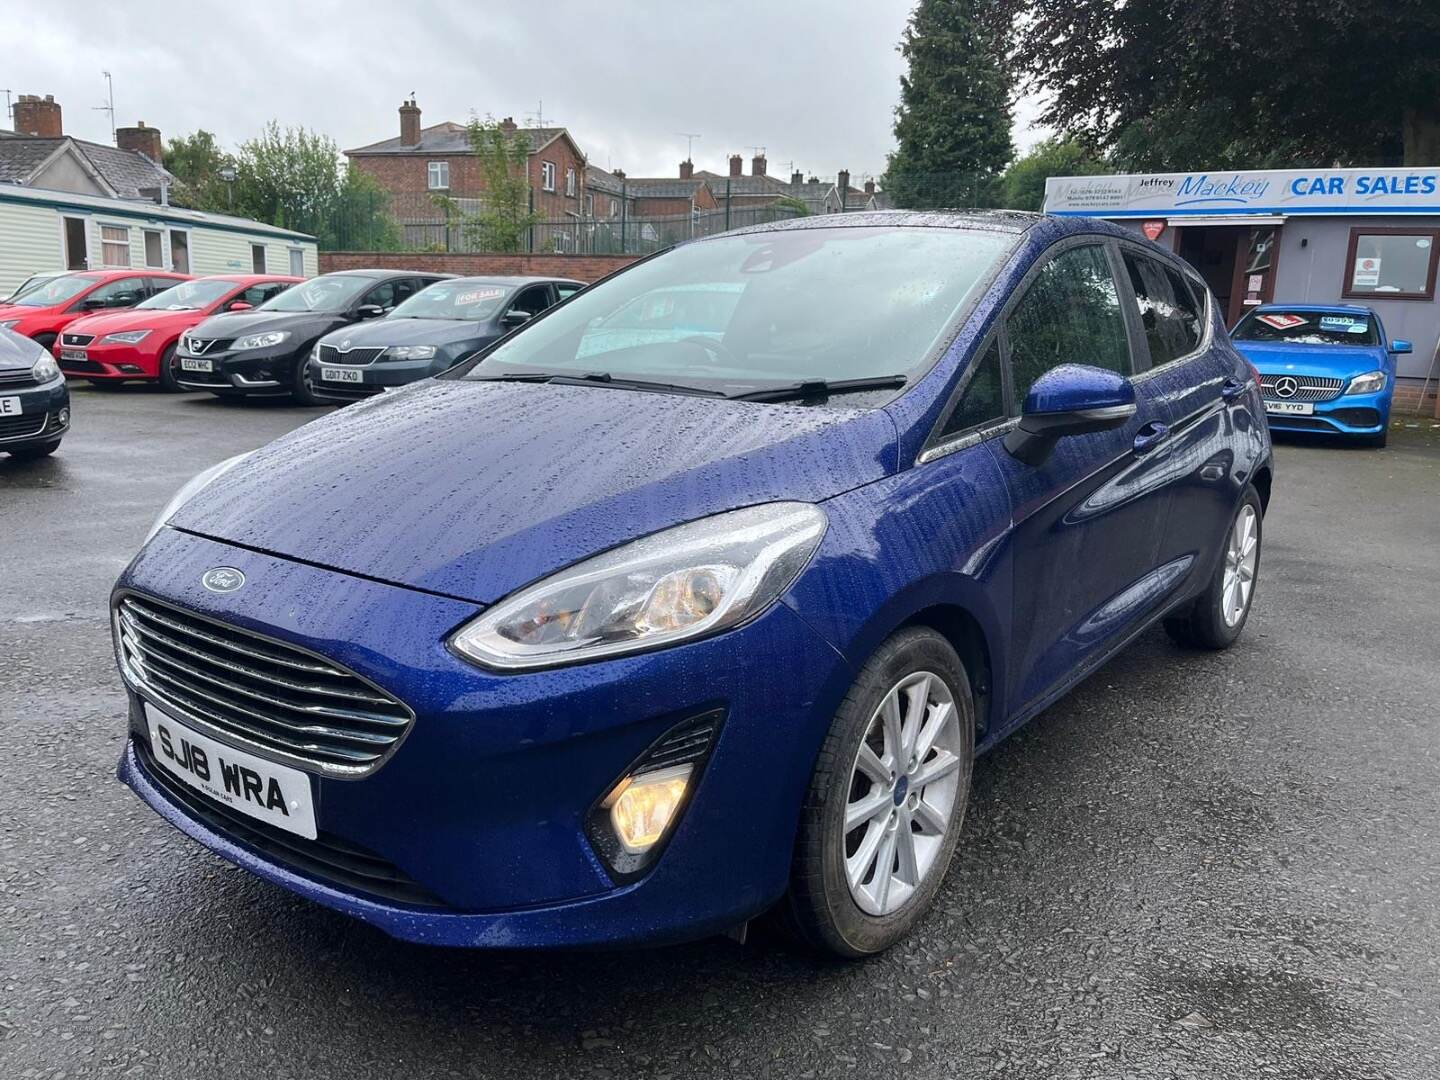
(302, 384)
(170, 371)
(886, 800)
(1218, 615)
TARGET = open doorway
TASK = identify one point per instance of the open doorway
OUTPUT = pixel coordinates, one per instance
(1236, 261)
(77, 255)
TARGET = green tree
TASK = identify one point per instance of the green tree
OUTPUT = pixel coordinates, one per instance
(1022, 187)
(952, 127)
(195, 161)
(505, 216)
(1162, 84)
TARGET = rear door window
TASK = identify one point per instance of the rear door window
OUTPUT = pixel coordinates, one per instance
(1168, 312)
(126, 292)
(1070, 314)
(533, 300)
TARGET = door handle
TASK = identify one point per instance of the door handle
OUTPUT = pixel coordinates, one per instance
(1232, 388)
(1151, 436)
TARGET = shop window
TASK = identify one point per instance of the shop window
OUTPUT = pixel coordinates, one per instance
(1392, 264)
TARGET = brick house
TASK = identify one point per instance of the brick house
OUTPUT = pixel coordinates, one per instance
(422, 162)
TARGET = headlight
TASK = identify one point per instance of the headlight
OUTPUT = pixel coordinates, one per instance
(191, 488)
(128, 337)
(410, 352)
(671, 586)
(1368, 383)
(45, 369)
(261, 341)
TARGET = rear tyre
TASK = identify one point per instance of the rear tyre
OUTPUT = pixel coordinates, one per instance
(886, 800)
(170, 372)
(1218, 615)
(302, 387)
(34, 450)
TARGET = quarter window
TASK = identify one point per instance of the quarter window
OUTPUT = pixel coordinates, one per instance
(1070, 314)
(115, 245)
(547, 175)
(1167, 308)
(439, 178)
(1395, 264)
(983, 399)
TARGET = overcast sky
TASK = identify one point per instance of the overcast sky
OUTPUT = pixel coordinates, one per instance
(813, 83)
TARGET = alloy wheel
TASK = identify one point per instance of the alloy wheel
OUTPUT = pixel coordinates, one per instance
(1241, 555)
(903, 786)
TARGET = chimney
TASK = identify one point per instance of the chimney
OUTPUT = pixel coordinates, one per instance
(687, 170)
(619, 174)
(869, 187)
(142, 139)
(843, 181)
(757, 165)
(508, 125)
(35, 115)
(737, 163)
(797, 177)
(409, 123)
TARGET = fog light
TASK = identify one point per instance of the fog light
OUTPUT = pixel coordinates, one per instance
(642, 807)
(63, 416)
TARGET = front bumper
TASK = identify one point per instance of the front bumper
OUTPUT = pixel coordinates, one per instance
(255, 371)
(483, 805)
(44, 415)
(375, 377)
(1361, 415)
(114, 361)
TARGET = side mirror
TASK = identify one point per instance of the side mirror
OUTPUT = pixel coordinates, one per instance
(239, 305)
(369, 311)
(93, 303)
(1073, 399)
(515, 318)
(1400, 345)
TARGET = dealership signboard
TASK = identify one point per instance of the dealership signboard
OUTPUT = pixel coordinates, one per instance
(1271, 191)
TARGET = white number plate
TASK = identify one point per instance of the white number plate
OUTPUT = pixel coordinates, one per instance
(332, 374)
(194, 363)
(1289, 408)
(276, 794)
(73, 354)
(10, 406)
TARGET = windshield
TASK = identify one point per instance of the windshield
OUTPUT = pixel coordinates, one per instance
(29, 284)
(765, 309)
(1308, 328)
(189, 295)
(334, 292)
(55, 291)
(460, 299)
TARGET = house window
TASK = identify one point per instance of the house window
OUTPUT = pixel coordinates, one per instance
(154, 253)
(257, 258)
(1392, 264)
(439, 176)
(179, 251)
(589, 205)
(115, 245)
(547, 176)
(297, 262)
(614, 208)
(570, 182)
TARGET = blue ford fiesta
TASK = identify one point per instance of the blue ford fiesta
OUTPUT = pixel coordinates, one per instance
(1324, 369)
(617, 637)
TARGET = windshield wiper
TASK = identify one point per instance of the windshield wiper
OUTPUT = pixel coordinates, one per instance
(819, 388)
(606, 379)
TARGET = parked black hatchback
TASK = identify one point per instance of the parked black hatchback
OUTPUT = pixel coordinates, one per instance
(263, 352)
(429, 333)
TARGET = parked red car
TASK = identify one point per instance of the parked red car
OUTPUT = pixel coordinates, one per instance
(42, 313)
(140, 343)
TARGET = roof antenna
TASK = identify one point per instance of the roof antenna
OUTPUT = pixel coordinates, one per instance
(689, 137)
(111, 107)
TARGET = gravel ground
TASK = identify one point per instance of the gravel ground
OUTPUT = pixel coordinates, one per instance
(1194, 866)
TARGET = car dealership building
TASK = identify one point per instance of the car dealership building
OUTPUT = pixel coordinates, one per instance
(1354, 236)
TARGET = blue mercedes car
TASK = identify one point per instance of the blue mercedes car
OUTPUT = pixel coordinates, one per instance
(611, 638)
(1323, 368)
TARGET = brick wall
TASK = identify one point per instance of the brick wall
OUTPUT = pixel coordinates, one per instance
(585, 268)
(1407, 398)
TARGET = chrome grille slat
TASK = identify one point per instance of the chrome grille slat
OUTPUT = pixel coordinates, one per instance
(288, 684)
(264, 694)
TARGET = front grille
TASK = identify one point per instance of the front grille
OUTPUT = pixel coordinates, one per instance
(81, 366)
(205, 378)
(326, 858)
(200, 346)
(347, 391)
(1311, 387)
(76, 339)
(1301, 423)
(329, 354)
(263, 694)
(17, 378)
(23, 426)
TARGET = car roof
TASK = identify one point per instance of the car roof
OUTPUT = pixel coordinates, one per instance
(1348, 309)
(1008, 221)
(513, 280)
(251, 279)
(381, 273)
